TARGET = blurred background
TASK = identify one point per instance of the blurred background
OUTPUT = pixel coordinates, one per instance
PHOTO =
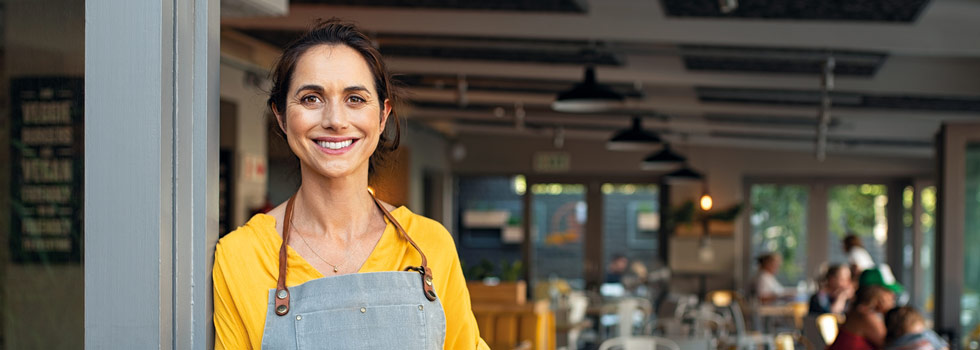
(605, 167)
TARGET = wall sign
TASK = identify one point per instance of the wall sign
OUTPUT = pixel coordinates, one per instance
(46, 147)
(552, 162)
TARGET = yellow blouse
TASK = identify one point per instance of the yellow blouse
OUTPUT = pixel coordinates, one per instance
(246, 267)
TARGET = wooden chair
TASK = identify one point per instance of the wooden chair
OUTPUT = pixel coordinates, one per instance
(785, 341)
(507, 321)
(820, 331)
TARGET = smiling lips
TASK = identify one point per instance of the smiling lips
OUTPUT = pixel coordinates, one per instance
(335, 146)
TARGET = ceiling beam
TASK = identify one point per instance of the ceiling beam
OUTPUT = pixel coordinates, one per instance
(946, 27)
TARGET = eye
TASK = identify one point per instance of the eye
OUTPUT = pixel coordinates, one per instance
(310, 99)
(355, 99)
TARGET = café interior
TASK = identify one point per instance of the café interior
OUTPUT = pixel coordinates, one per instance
(619, 173)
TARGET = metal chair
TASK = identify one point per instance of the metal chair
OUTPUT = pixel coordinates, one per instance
(578, 303)
(729, 300)
(640, 342)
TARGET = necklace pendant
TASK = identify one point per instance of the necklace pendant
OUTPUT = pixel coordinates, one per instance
(335, 269)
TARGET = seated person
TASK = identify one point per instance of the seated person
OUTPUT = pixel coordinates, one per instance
(881, 275)
(765, 287)
(616, 269)
(864, 328)
(907, 331)
(835, 292)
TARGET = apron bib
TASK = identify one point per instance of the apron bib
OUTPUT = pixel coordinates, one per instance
(376, 310)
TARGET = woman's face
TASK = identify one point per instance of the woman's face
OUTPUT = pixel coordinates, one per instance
(840, 280)
(773, 264)
(333, 118)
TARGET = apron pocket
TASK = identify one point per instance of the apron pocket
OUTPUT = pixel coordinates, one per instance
(368, 327)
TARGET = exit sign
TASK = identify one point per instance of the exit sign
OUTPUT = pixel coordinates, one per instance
(552, 162)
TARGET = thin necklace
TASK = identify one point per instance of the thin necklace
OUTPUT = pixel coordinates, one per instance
(336, 268)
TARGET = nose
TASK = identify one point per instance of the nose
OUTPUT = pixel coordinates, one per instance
(335, 117)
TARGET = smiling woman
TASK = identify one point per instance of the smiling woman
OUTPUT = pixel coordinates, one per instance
(358, 275)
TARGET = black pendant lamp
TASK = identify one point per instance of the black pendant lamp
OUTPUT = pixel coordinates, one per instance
(665, 159)
(588, 96)
(683, 175)
(633, 138)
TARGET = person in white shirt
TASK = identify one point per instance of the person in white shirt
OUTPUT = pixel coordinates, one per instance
(765, 287)
(857, 256)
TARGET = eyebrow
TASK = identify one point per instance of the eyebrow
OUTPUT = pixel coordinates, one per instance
(319, 89)
(356, 88)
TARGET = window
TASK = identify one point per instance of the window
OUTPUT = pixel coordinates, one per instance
(970, 303)
(42, 134)
(779, 222)
(631, 222)
(858, 210)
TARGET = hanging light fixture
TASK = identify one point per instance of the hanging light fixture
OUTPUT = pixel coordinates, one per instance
(683, 175)
(633, 138)
(588, 96)
(665, 159)
(706, 202)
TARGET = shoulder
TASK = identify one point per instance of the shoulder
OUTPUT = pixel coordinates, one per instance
(256, 235)
(423, 230)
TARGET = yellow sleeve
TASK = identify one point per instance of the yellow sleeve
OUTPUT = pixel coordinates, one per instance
(229, 329)
(461, 328)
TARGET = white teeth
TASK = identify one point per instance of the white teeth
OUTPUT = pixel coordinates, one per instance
(335, 145)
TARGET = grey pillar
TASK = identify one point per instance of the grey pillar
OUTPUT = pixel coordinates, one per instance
(151, 134)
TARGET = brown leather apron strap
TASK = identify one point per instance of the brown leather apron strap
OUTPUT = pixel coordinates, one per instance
(423, 270)
(282, 293)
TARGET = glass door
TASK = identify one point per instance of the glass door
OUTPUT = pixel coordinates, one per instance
(558, 226)
(631, 232)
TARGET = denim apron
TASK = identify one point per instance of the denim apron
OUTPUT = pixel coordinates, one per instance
(376, 310)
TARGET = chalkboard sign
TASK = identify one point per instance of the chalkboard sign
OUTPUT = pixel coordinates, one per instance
(46, 141)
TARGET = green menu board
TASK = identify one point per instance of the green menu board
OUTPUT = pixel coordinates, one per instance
(46, 163)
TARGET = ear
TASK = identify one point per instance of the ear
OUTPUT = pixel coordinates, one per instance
(385, 113)
(280, 118)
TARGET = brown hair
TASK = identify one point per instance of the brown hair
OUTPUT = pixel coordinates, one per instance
(870, 295)
(833, 270)
(900, 321)
(338, 32)
(852, 241)
(765, 258)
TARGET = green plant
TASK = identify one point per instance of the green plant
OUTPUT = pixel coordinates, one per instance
(507, 271)
(482, 270)
(511, 271)
(688, 214)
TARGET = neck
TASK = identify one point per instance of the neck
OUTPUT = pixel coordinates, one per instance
(338, 208)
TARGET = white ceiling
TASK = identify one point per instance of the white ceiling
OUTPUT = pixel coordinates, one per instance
(936, 56)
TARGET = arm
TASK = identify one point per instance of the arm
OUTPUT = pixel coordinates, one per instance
(461, 328)
(874, 329)
(838, 306)
(840, 301)
(229, 329)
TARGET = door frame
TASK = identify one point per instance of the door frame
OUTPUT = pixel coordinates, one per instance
(151, 172)
(952, 141)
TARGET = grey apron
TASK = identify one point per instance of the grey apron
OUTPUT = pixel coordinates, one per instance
(376, 310)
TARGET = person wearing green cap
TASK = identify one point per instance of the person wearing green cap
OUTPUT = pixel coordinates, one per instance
(881, 276)
(864, 328)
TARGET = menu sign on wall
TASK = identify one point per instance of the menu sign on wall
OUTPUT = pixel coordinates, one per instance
(46, 164)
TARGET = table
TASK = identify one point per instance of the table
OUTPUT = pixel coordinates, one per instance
(795, 310)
